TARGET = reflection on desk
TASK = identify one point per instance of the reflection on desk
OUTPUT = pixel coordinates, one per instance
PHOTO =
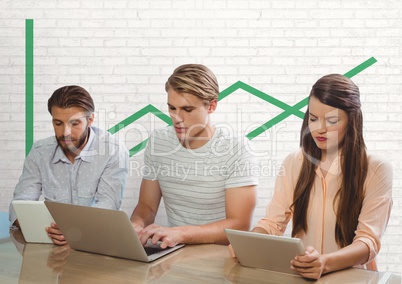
(44, 263)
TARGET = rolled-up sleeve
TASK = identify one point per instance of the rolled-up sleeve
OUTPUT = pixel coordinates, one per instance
(376, 208)
(278, 211)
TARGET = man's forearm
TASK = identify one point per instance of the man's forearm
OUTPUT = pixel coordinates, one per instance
(210, 233)
(142, 216)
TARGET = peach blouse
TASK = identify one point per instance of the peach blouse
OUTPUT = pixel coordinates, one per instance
(321, 215)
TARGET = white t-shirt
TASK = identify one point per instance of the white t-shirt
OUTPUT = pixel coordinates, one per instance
(193, 181)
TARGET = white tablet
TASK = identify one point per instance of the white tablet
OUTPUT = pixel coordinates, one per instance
(265, 251)
(33, 218)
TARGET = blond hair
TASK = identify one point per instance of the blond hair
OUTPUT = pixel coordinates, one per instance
(194, 79)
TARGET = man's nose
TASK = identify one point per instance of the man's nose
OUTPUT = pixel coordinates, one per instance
(66, 130)
(177, 117)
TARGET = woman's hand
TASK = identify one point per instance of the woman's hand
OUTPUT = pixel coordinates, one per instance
(311, 265)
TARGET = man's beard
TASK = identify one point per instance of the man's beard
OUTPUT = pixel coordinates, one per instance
(75, 146)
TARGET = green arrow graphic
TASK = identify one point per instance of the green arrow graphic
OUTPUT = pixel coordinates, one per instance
(288, 110)
(304, 102)
(240, 85)
(148, 109)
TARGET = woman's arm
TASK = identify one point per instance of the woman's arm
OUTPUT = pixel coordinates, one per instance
(313, 265)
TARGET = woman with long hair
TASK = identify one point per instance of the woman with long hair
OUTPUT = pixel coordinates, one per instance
(338, 197)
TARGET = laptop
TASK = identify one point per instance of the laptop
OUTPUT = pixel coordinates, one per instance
(33, 218)
(103, 231)
(265, 251)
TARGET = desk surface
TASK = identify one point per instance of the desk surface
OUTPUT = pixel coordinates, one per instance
(43, 263)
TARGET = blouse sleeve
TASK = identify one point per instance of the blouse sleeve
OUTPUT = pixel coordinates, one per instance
(377, 204)
(278, 211)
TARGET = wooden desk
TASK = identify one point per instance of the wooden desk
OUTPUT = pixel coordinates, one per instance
(42, 263)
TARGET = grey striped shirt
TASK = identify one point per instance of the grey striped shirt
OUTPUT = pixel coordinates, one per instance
(193, 181)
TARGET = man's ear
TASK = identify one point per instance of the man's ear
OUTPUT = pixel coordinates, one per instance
(91, 119)
(212, 106)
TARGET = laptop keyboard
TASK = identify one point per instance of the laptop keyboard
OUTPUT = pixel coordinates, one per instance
(152, 250)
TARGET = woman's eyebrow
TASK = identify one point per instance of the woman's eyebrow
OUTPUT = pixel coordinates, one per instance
(333, 116)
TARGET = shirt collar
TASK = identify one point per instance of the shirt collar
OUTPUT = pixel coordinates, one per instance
(335, 168)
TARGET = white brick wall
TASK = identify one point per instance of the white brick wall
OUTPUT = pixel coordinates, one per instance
(123, 52)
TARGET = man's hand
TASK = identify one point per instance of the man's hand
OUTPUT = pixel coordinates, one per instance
(137, 228)
(168, 236)
(55, 234)
(231, 251)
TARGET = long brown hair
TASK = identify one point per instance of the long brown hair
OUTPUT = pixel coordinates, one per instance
(340, 92)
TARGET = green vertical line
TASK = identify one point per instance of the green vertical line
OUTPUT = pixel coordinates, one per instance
(29, 81)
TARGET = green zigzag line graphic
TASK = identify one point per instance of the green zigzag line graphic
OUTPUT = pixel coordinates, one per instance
(304, 102)
(240, 85)
(226, 92)
(288, 110)
(148, 109)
